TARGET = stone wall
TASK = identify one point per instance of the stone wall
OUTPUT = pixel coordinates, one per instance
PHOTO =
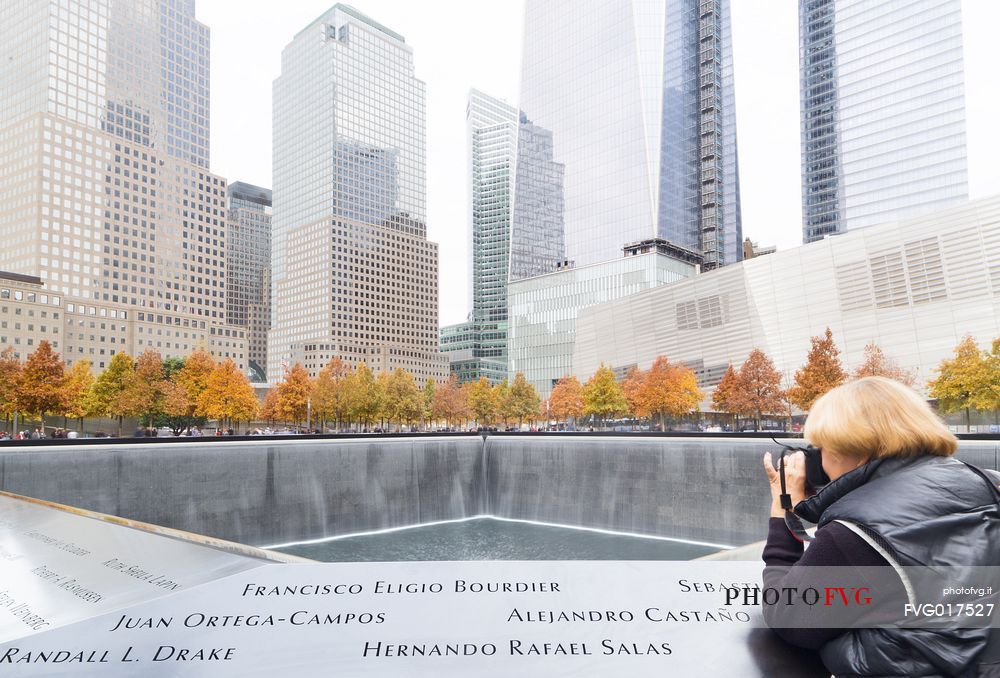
(264, 492)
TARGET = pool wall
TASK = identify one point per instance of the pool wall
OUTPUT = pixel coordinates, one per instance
(269, 491)
(707, 489)
(260, 492)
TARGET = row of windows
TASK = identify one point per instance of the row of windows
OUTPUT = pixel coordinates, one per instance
(32, 297)
(93, 310)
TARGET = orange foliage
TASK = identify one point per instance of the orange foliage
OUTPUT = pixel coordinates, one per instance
(566, 399)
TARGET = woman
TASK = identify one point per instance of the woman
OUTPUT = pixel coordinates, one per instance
(896, 498)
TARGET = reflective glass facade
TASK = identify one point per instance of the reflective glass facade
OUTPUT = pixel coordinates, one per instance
(353, 274)
(538, 233)
(636, 97)
(479, 347)
(492, 139)
(248, 268)
(463, 343)
(883, 111)
(544, 309)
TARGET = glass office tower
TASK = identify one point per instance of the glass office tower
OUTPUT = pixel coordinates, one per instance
(883, 111)
(638, 98)
(478, 347)
(538, 231)
(248, 269)
(353, 274)
(492, 139)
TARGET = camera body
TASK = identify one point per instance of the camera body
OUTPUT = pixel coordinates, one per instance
(816, 477)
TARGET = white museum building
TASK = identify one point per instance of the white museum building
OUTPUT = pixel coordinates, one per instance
(915, 287)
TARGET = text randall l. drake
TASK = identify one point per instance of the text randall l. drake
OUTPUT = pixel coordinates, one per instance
(163, 653)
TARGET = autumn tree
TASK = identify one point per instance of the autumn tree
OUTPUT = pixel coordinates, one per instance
(293, 395)
(329, 395)
(992, 398)
(176, 408)
(408, 399)
(402, 400)
(687, 396)
(449, 402)
(727, 393)
(339, 403)
(632, 386)
(382, 385)
(482, 401)
(878, 364)
(964, 382)
(566, 399)
(228, 396)
(269, 408)
(365, 395)
(522, 400)
(427, 399)
(77, 392)
(501, 395)
(40, 387)
(668, 390)
(193, 377)
(603, 396)
(146, 387)
(466, 390)
(10, 377)
(760, 388)
(821, 373)
(113, 389)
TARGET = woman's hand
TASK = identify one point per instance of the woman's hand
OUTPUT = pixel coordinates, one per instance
(795, 481)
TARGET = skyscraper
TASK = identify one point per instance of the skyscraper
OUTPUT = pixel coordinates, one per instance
(491, 126)
(352, 272)
(248, 269)
(883, 111)
(638, 98)
(538, 230)
(104, 183)
(478, 347)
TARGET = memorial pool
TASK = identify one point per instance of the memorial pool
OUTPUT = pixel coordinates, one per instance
(485, 538)
(262, 491)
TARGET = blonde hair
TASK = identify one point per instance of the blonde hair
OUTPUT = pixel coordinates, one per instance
(877, 417)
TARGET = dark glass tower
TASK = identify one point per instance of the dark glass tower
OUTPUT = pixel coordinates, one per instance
(638, 98)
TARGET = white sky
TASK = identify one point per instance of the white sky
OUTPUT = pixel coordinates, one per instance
(460, 44)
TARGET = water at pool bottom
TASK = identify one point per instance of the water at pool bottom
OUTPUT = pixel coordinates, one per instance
(491, 539)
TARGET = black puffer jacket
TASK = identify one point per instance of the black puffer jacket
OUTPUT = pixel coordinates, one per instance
(924, 511)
